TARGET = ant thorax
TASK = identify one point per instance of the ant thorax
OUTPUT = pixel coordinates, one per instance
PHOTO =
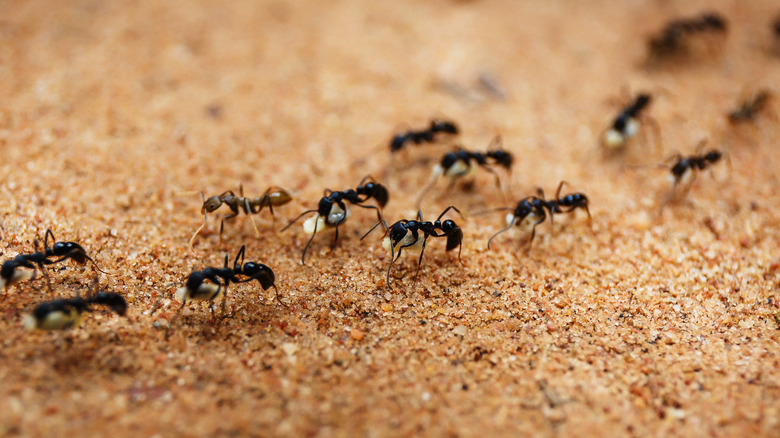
(414, 244)
(336, 217)
(615, 138)
(205, 292)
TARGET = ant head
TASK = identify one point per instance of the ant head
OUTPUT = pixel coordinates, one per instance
(443, 126)
(115, 301)
(448, 160)
(398, 231)
(713, 156)
(211, 204)
(259, 272)
(713, 21)
(397, 143)
(377, 191)
(71, 250)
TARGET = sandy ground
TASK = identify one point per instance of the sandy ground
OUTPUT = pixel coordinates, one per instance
(115, 116)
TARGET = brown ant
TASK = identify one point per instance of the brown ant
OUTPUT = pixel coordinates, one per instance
(674, 39)
(462, 163)
(272, 197)
(533, 210)
(332, 209)
(423, 136)
(407, 234)
(685, 168)
(748, 109)
(627, 124)
(10, 272)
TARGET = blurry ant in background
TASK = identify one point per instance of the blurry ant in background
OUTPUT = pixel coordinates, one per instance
(272, 197)
(685, 168)
(627, 124)
(533, 210)
(748, 109)
(775, 45)
(332, 209)
(462, 163)
(62, 314)
(676, 39)
(423, 136)
(413, 235)
(12, 271)
(210, 283)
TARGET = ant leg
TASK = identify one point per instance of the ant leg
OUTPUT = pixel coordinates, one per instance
(222, 222)
(533, 234)
(451, 207)
(174, 319)
(437, 172)
(303, 255)
(248, 210)
(46, 238)
(419, 261)
(511, 224)
(393, 258)
(381, 222)
(296, 219)
(277, 297)
(378, 211)
(239, 255)
(335, 238)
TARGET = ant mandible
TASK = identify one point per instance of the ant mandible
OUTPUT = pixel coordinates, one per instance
(626, 124)
(462, 163)
(423, 136)
(10, 272)
(407, 234)
(272, 197)
(332, 209)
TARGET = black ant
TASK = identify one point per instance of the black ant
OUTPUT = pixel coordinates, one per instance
(62, 314)
(10, 272)
(423, 136)
(272, 197)
(332, 209)
(626, 124)
(406, 234)
(462, 163)
(748, 110)
(674, 39)
(685, 168)
(208, 284)
(533, 210)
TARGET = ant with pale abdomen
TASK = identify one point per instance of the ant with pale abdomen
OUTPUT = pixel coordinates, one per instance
(627, 124)
(62, 314)
(684, 169)
(572, 201)
(676, 38)
(272, 197)
(332, 209)
(10, 272)
(413, 234)
(462, 163)
(748, 109)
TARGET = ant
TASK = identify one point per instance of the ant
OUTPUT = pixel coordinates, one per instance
(62, 314)
(10, 272)
(673, 41)
(208, 284)
(685, 168)
(332, 210)
(748, 110)
(534, 210)
(423, 136)
(406, 234)
(626, 124)
(272, 197)
(461, 163)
